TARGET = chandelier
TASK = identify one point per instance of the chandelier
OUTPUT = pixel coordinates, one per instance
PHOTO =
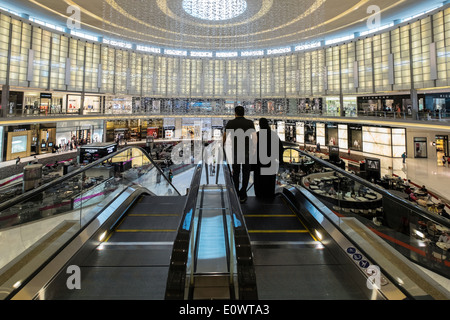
(215, 10)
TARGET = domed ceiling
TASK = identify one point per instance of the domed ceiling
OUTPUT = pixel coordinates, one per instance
(221, 24)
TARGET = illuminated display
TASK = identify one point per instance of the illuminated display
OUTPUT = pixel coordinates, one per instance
(409, 55)
(215, 10)
(148, 49)
(226, 54)
(252, 53)
(279, 50)
(207, 54)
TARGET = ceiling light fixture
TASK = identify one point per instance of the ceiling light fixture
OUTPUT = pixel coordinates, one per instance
(215, 10)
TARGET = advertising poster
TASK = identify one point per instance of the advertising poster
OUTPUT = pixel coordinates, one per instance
(19, 144)
(300, 132)
(153, 132)
(420, 147)
(332, 134)
(310, 133)
(355, 135)
(281, 130)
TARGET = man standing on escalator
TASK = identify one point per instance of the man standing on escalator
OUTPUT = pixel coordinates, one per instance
(241, 150)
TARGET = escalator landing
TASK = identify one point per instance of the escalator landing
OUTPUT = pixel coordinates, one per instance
(271, 220)
(290, 264)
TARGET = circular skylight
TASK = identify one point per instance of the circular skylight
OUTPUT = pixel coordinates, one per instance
(215, 10)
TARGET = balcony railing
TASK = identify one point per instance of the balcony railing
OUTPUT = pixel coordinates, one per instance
(433, 116)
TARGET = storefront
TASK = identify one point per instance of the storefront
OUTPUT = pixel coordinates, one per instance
(441, 142)
(169, 129)
(307, 105)
(377, 140)
(217, 128)
(18, 141)
(118, 130)
(206, 124)
(350, 107)
(133, 129)
(152, 132)
(15, 107)
(372, 105)
(438, 104)
(92, 104)
(290, 132)
(71, 133)
(427, 144)
(230, 105)
(47, 138)
(154, 128)
(333, 106)
(36, 103)
(187, 128)
(199, 106)
(118, 105)
(147, 105)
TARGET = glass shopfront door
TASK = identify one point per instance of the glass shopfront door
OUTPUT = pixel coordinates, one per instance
(441, 148)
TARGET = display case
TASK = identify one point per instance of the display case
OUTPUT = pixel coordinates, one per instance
(95, 151)
(420, 147)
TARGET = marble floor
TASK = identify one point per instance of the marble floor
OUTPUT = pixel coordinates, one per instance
(428, 172)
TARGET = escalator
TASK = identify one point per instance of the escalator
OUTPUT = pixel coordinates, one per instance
(145, 243)
(132, 262)
(111, 241)
(211, 258)
(290, 263)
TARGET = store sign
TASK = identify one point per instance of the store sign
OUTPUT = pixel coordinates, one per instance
(46, 95)
(169, 123)
(91, 150)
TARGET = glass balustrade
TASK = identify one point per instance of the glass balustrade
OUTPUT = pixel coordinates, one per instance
(404, 216)
(36, 224)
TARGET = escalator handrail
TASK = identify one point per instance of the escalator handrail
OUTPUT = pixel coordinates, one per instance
(244, 254)
(180, 252)
(419, 211)
(322, 209)
(32, 193)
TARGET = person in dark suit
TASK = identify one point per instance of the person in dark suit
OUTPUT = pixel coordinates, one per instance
(242, 135)
(270, 156)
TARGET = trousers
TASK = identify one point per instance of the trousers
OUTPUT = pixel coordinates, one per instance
(245, 168)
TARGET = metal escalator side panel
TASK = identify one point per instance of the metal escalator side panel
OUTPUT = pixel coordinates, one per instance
(244, 254)
(176, 280)
(89, 237)
(347, 252)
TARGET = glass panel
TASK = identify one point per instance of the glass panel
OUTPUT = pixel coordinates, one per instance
(36, 224)
(404, 215)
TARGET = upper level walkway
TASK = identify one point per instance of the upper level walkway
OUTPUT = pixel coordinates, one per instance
(431, 121)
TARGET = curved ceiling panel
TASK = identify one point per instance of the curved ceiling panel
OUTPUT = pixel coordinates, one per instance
(251, 24)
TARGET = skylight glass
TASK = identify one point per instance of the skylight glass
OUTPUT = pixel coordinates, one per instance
(215, 10)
